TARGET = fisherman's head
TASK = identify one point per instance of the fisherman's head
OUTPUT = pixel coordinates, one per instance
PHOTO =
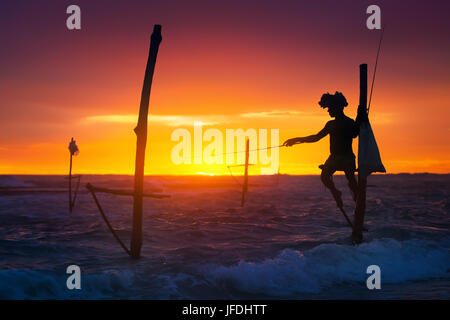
(334, 102)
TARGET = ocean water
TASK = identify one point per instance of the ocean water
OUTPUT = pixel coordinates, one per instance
(288, 242)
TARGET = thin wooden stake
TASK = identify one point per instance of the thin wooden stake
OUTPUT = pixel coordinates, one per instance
(76, 191)
(73, 149)
(245, 185)
(141, 134)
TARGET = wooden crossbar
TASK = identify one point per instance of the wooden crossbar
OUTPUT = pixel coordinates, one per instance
(123, 192)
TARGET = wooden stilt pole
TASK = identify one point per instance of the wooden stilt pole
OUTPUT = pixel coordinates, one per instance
(70, 183)
(245, 185)
(141, 133)
(362, 179)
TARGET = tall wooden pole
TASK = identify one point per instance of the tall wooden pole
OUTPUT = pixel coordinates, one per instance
(70, 183)
(362, 179)
(362, 88)
(141, 133)
(245, 185)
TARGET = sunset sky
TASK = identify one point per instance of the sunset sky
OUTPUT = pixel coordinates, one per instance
(231, 64)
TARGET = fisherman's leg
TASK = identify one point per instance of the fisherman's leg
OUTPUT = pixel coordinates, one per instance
(327, 180)
(353, 185)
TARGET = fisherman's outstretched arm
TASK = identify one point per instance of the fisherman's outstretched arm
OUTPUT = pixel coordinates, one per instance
(308, 139)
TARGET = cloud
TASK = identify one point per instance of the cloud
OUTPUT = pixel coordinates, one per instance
(270, 114)
(207, 120)
(170, 120)
(380, 118)
(115, 118)
(383, 118)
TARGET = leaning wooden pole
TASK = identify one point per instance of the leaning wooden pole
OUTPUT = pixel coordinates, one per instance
(141, 133)
(362, 178)
(116, 236)
(245, 185)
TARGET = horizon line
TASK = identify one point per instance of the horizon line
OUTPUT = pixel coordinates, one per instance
(205, 175)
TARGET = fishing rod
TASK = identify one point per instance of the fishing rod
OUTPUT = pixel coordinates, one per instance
(375, 69)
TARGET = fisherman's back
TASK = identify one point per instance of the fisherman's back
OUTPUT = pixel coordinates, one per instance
(342, 131)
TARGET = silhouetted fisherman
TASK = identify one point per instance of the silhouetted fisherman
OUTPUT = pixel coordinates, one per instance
(342, 131)
(73, 148)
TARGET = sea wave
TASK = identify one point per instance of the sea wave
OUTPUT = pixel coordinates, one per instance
(290, 273)
(326, 265)
(36, 284)
(110, 284)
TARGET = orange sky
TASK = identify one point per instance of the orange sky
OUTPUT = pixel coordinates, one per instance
(234, 67)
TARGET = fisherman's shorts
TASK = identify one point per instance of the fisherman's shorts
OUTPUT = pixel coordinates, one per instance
(339, 163)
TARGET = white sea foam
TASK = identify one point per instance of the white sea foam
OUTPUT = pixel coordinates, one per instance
(37, 284)
(290, 273)
(330, 264)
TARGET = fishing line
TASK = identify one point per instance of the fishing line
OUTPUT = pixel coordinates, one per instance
(235, 179)
(236, 152)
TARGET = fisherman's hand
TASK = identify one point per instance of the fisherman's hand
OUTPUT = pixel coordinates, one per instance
(291, 142)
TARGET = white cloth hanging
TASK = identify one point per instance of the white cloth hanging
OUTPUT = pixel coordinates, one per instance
(369, 159)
